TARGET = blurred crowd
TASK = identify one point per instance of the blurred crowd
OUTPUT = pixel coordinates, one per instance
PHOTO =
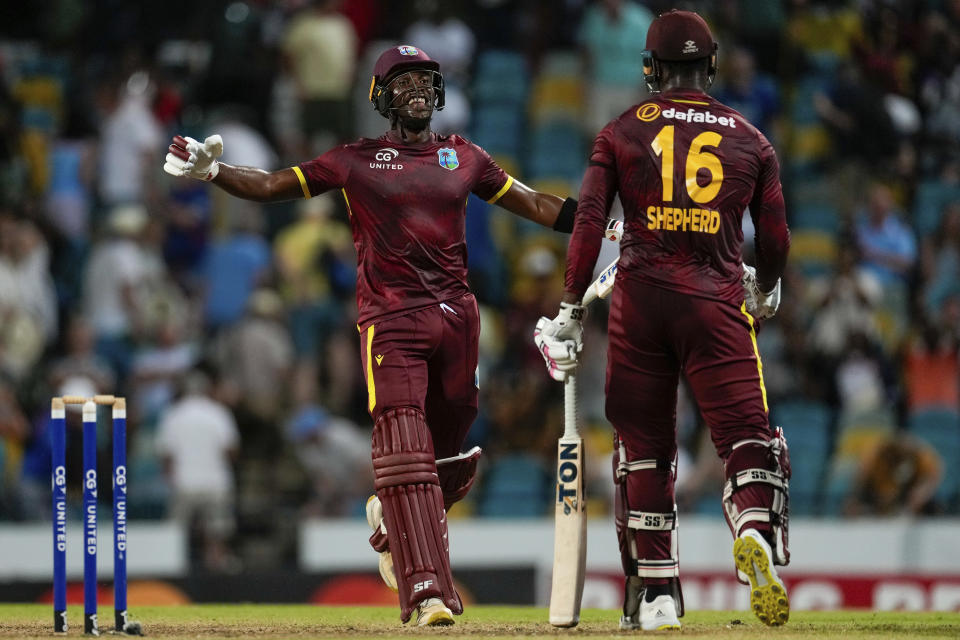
(230, 326)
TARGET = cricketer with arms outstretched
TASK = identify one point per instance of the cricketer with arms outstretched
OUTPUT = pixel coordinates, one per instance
(406, 194)
(685, 168)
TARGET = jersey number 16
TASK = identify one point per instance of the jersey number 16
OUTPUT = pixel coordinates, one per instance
(697, 159)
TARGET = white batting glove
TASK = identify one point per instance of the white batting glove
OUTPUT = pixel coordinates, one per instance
(614, 230)
(187, 157)
(560, 340)
(759, 304)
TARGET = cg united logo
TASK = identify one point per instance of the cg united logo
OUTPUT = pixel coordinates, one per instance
(407, 50)
(648, 111)
(385, 160)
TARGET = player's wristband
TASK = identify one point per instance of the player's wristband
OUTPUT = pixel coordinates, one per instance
(564, 221)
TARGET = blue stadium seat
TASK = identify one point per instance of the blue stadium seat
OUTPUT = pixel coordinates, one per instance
(514, 486)
(838, 485)
(932, 196)
(501, 77)
(802, 111)
(813, 251)
(149, 500)
(815, 216)
(807, 426)
(498, 128)
(556, 151)
(941, 429)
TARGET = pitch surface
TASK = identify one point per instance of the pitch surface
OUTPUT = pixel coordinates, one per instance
(304, 621)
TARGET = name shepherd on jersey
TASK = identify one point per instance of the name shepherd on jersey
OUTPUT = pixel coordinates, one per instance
(683, 219)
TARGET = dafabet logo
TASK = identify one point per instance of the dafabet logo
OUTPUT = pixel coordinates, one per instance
(648, 111)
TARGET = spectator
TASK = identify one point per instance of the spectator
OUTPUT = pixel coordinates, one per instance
(319, 37)
(118, 271)
(753, 94)
(33, 498)
(316, 266)
(844, 305)
(129, 135)
(157, 366)
(860, 129)
(887, 245)
(335, 454)
(611, 41)
(940, 260)
(235, 264)
(898, 475)
(439, 29)
(256, 355)
(80, 359)
(28, 302)
(863, 379)
(931, 368)
(197, 440)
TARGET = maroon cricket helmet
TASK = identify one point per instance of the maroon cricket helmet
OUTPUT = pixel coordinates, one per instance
(677, 36)
(396, 60)
(680, 35)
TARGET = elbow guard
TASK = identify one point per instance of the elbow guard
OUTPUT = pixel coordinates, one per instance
(564, 221)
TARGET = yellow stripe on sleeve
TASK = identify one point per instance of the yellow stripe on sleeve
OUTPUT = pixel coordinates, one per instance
(506, 187)
(303, 182)
(347, 201)
(371, 387)
(681, 100)
(756, 352)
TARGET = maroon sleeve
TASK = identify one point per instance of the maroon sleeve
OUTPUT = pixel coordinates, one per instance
(596, 197)
(772, 240)
(492, 181)
(323, 173)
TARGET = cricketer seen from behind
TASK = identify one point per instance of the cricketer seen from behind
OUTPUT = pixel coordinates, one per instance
(685, 168)
(405, 194)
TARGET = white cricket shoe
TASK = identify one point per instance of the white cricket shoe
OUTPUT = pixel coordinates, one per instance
(659, 615)
(375, 520)
(768, 596)
(433, 613)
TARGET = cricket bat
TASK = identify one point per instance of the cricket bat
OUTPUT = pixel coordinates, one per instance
(570, 513)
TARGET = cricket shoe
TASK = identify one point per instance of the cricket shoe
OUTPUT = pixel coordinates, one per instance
(768, 596)
(433, 613)
(375, 520)
(658, 615)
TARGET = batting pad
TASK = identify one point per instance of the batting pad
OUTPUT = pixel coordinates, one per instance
(457, 475)
(405, 476)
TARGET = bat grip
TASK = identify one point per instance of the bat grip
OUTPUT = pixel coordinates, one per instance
(570, 429)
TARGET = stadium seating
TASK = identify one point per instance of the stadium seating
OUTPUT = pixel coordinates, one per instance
(501, 77)
(515, 485)
(813, 251)
(819, 216)
(807, 426)
(931, 197)
(556, 151)
(941, 429)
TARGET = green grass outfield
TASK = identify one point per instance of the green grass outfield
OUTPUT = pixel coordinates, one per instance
(304, 621)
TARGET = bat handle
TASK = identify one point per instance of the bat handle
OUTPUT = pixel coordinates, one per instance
(570, 429)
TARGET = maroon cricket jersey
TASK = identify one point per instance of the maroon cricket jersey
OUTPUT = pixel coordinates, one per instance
(685, 167)
(407, 210)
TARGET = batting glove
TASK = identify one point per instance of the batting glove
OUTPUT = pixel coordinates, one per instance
(614, 230)
(560, 340)
(759, 304)
(187, 157)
